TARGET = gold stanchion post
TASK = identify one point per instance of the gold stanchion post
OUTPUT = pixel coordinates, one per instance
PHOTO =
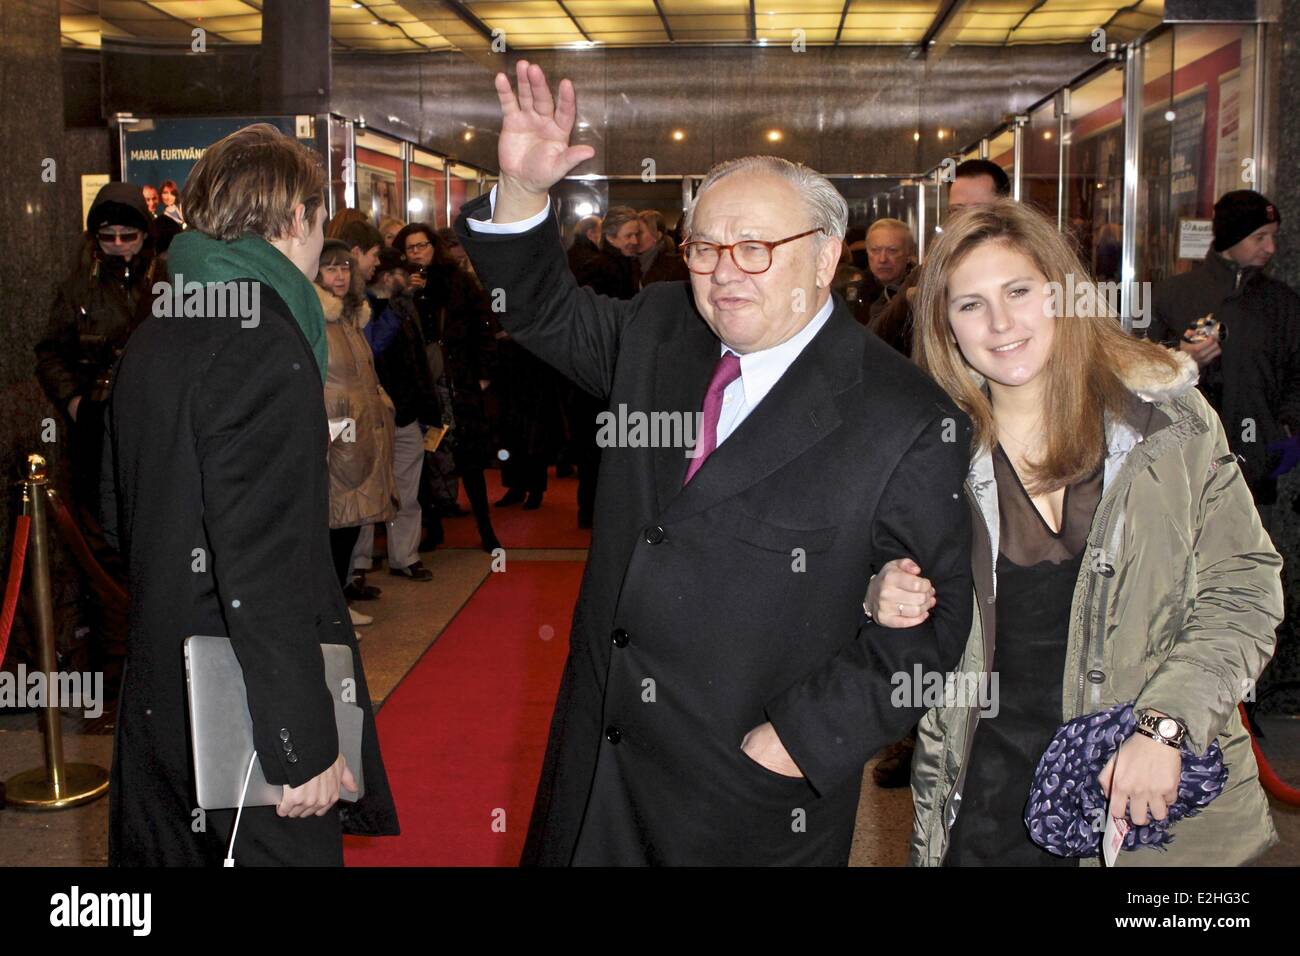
(57, 785)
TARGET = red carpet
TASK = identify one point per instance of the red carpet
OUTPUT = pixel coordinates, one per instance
(553, 525)
(463, 734)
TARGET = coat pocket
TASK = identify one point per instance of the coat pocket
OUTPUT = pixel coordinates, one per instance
(771, 537)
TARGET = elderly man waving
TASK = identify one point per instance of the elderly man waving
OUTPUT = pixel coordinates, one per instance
(724, 688)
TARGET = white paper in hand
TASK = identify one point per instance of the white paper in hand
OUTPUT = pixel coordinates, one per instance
(1112, 841)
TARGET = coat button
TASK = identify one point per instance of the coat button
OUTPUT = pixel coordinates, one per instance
(1106, 570)
(288, 747)
(1096, 677)
(620, 637)
(613, 734)
(284, 733)
(654, 535)
(292, 758)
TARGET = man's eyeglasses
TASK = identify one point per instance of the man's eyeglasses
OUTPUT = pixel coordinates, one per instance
(128, 237)
(753, 256)
(412, 247)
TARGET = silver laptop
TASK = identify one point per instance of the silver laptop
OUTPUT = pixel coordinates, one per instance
(222, 729)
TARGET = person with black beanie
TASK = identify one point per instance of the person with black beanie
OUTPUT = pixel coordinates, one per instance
(1242, 326)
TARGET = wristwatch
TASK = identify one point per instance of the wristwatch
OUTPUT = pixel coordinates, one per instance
(1167, 730)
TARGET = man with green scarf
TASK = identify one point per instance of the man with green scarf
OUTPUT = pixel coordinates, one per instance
(219, 442)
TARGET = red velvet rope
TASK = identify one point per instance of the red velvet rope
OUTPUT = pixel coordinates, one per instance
(17, 558)
(67, 526)
(1274, 784)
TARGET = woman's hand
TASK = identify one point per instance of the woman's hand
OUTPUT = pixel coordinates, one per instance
(898, 596)
(1142, 775)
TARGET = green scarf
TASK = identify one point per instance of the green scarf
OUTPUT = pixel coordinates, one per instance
(200, 258)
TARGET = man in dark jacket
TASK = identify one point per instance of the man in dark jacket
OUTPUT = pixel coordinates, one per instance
(723, 689)
(402, 365)
(1248, 340)
(615, 270)
(890, 249)
(95, 310)
(658, 257)
(219, 445)
(586, 242)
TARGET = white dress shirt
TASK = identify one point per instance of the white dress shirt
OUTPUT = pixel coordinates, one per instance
(759, 371)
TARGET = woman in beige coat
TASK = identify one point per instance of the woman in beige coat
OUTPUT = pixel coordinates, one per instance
(362, 488)
(1117, 557)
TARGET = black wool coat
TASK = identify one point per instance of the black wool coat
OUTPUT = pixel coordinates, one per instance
(708, 609)
(219, 439)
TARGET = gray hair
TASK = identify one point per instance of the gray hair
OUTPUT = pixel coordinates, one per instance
(825, 205)
(616, 218)
(897, 225)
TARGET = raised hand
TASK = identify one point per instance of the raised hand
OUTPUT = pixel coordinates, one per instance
(533, 150)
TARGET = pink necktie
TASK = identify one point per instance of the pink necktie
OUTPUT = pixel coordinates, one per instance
(724, 373)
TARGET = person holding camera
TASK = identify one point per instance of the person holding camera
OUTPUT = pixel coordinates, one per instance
(1242, 327)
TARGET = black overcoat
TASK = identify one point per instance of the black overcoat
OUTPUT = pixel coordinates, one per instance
(709, 609)
(219, 440)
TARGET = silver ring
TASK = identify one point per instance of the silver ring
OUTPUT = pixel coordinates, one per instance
(900, 608)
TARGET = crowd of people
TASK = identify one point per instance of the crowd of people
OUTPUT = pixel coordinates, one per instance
(413, 346)
(1099, 502)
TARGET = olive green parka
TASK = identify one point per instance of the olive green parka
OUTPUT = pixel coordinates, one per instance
(1175, 607)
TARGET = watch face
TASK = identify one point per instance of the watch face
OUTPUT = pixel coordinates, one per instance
(1168, 727)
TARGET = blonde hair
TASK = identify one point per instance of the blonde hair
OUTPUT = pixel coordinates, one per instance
(250, 182)
(1084, 378)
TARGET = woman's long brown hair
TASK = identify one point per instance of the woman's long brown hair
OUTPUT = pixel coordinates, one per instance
(1084, 378)
(355, 297)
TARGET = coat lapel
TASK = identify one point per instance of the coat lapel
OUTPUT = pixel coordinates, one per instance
(683, 366)
(797, 413)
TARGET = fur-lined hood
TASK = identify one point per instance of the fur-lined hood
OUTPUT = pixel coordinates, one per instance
(1152, 383)
(332, 306)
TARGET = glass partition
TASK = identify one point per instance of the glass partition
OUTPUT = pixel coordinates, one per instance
(462, 186)
(428, 202)
(1197, 139)
(380, 176)
(1002, 150)
(338, 141)
(1094, 171)
(1040, 158)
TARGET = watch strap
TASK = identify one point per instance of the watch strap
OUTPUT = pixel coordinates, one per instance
(1155, 736)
